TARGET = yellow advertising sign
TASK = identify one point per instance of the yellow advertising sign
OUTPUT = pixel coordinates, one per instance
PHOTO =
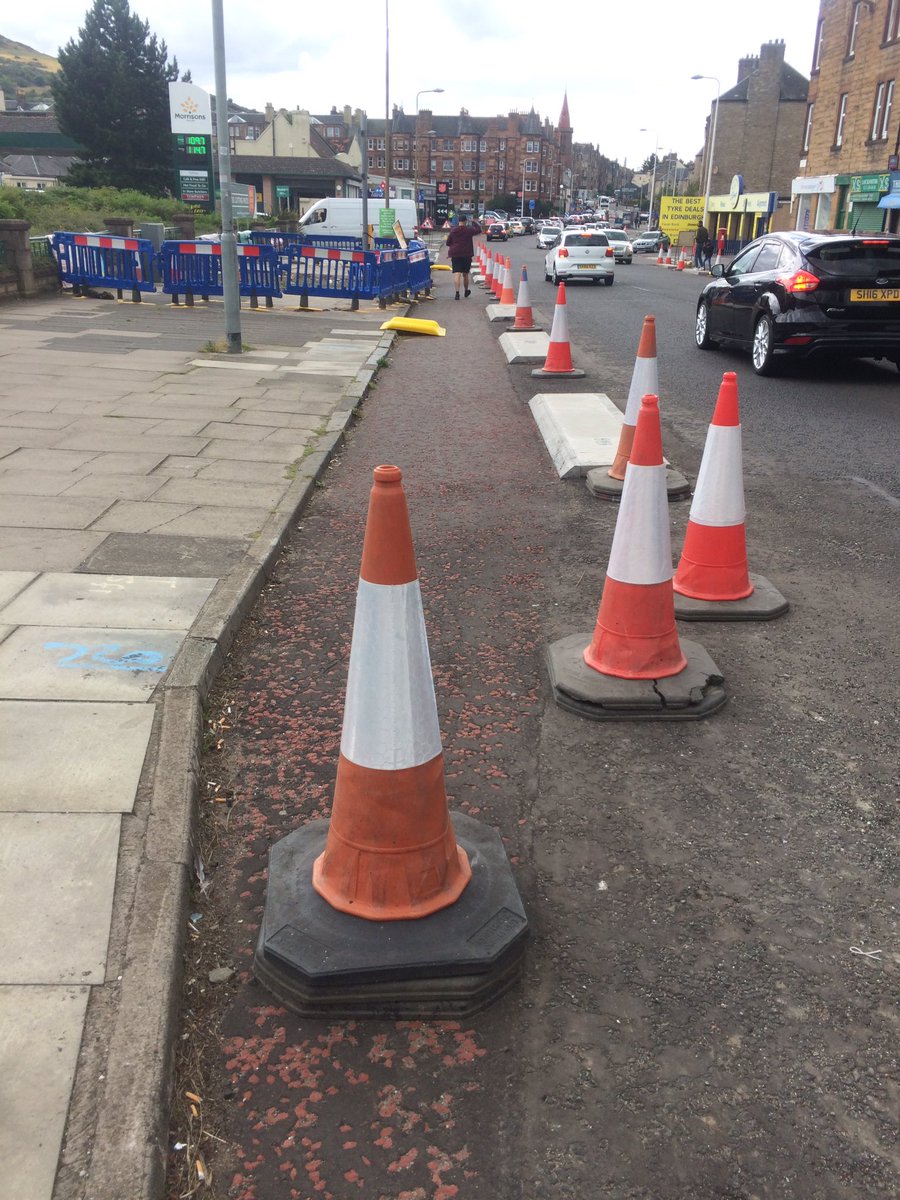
(679, 214)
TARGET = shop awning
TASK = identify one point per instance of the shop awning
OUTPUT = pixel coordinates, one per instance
(891, 200)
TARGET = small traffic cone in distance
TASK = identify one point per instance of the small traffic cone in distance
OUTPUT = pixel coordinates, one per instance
(635, 667)
(489, 271)
(682, 259)
(507, 296)
(372, 912)
(713, 581)
(524, 321)
(559, 352)
(499, 268)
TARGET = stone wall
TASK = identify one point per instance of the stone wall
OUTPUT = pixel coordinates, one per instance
(22, 276)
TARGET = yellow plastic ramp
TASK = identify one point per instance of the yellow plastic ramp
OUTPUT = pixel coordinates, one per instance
(440, 266)
(412, 325)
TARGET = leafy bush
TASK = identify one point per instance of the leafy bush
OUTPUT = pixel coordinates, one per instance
(76, 210)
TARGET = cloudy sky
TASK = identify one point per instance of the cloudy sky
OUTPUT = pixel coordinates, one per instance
(624, 70)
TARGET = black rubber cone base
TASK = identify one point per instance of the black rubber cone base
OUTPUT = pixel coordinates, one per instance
(695, 692)
(764, 603)
(321, 962)
(601, 485)
(540, 373)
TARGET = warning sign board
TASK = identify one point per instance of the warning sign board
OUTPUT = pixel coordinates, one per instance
(679, 215)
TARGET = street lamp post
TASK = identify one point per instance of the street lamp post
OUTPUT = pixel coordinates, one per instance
(653, 181)
(422, 92)
(712, 143)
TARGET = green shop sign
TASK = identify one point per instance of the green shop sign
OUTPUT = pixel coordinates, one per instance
(869, 187)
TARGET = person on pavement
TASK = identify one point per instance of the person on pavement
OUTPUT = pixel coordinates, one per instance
(701, 237)
(461, 250)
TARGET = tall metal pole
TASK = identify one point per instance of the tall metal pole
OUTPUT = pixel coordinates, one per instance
(364, 138)
(387, 104)
(229, 252)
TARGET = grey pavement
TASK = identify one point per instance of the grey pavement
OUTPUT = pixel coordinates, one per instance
(145, 488)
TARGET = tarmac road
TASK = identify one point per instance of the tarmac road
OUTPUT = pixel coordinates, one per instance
(693, 1023)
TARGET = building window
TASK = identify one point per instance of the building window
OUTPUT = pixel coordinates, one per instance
(481, 185)
(807, 131)
(483, 145)
(888, 105)
(841, 119)
(447, 164)
(433, 167)
(530, 165)
(448, 143)
(817, 52)
(892, 21)
(532, 147)
(401, 164)
(877, 112)
(468, 164)
(502, 145)
(854, 29)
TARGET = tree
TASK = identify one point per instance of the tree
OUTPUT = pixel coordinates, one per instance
(112, 97)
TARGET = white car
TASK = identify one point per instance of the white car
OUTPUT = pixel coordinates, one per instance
(621, 244)
(581, 254)
(547, 235)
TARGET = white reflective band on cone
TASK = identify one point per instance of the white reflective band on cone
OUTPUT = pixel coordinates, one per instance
(719, 494)
(644, 382)
(390, 713)
(642, 549)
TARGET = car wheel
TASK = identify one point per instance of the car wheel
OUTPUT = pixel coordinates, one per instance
(555, 280)
(547, 277)
(762, 351)
(609, 280)
(701, 327)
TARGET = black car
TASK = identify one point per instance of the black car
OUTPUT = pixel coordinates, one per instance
(496, 232)
(802, 294)
(528, 223)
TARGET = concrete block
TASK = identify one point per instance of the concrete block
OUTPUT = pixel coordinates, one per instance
(525, 347)
(580, 430)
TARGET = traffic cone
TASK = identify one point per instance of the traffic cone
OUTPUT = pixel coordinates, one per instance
(635, 636)
(372, 912)
(524, 321)
(635, 666)
(559, 352)
(669, 255)
(713, 565)
(488, 279)
(660, 258)
(507, 295)
(498, 276)
(682, 258)
(644, 382)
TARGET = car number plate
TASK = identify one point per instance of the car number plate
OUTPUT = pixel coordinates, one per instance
(875, 294)
(586, 266)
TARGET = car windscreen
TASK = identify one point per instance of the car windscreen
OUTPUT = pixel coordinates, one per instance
(866, 257)
(617, 235)
(587, 239)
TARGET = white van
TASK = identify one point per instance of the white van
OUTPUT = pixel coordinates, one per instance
(342, 216)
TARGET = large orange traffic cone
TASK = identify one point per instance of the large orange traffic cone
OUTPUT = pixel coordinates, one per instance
(507, 296)
(682, 260)
(524, 316)
(635, 636)
(713, 565)
(635, 667)
(644, 382)
(390, 908)
(391, 852)
(559, 352)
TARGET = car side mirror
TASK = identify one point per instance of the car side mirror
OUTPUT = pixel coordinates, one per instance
(718, 270)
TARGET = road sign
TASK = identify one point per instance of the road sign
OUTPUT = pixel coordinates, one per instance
(531, 204)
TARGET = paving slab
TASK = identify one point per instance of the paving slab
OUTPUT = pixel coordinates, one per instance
(256, 452)
(139, 516)
(45, 549)
(238, 365)
(152, 554)
(57, 876)
(12, 584)
(91, 755)
(34, 483)
(50, 512)
(580, 430)
(209, 521)
(41, 1034)
(47, 662)
(109, 601)
(525, 347)
(232, 494)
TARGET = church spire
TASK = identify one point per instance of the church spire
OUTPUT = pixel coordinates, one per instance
(564, 122)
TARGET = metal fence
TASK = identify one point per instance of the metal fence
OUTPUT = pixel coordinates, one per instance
(41, 252)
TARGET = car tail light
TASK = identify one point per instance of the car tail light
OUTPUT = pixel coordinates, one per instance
(800, 281)
(563, 253)
(876, 242)
(799, 339)
(610, 253)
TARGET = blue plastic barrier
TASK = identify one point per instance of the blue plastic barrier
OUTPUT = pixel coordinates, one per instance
(393, 272)
(314, 270)
(419, 271)
(192, 269)
(103, 260)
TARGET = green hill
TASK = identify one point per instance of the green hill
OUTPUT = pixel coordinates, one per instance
(24, 72)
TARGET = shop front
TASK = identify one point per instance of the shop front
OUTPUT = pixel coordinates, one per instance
(813, 198)
(743, 215)
(890, 204)
(864, 212)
